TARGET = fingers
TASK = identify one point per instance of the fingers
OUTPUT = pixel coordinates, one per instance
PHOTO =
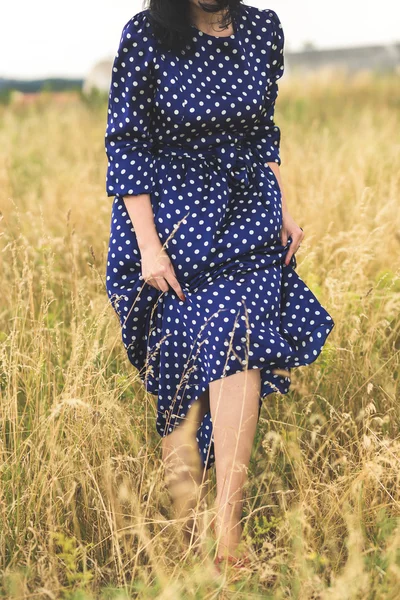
(297, 238)
(174, 283)
(157, 280)
(288, 256)
(153, 282)
(162, 277)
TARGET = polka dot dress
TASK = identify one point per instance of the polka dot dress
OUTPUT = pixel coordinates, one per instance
(196, 131)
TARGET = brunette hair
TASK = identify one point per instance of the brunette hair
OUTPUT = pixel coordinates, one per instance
(171, 21)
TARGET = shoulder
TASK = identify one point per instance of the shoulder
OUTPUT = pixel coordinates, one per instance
(138, 26)
(264, 19)
(136, 40)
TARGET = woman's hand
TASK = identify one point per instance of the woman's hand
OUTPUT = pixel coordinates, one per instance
(290, 228)
(157, 269)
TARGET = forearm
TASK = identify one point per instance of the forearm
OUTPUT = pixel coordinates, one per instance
(275, 168)
(141, 214)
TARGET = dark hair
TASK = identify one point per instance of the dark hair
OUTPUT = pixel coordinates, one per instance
(171, 22)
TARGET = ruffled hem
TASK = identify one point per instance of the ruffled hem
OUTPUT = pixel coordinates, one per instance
(279, 347)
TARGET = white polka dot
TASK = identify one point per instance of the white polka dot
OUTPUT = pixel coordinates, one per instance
(196, 131)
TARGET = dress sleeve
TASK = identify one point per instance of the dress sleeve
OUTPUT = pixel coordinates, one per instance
(265, 133)
(128, 140)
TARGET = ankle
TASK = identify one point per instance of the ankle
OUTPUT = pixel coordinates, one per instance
(228, 537)
(228, 514)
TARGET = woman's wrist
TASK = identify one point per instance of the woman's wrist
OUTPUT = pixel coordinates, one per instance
(276, 170)
(148, 240)
(142, 218)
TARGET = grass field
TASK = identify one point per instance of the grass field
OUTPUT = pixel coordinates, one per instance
(84, 513)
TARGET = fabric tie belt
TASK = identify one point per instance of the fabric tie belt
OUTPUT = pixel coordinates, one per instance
(235, 159)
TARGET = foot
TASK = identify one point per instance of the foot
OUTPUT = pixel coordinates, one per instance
(238, 562)
(240, 565)
(242, 561)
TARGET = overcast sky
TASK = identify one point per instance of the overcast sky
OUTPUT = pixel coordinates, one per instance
(45, 38)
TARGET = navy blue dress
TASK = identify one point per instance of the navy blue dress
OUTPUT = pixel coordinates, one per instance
(196, 131)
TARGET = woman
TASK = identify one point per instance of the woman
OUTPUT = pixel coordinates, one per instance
(201, 263)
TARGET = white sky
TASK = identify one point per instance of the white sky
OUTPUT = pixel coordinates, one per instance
(45, 38)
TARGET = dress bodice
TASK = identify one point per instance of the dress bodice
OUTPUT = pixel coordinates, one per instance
(220, 94)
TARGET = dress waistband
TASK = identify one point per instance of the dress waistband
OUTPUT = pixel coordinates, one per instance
(235, 158)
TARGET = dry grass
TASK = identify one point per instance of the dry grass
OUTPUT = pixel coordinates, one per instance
(83, 509)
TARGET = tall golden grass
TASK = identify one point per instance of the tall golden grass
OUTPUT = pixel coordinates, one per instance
(84, 512)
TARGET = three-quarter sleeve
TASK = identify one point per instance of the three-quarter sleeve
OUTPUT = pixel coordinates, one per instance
(128, 139)
(265, 134)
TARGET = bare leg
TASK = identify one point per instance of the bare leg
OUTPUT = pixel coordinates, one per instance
(183, 466)
(234, 404)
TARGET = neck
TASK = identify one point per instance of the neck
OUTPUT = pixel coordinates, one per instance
(207, 22)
